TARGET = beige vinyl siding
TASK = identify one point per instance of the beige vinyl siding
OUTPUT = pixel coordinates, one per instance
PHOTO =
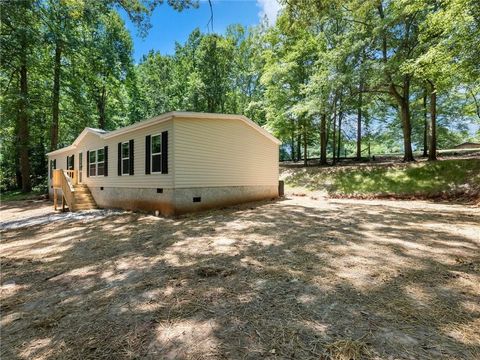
(222, 152)
(92, 141)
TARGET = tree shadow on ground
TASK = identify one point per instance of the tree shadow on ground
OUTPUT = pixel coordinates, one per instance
(272, 280)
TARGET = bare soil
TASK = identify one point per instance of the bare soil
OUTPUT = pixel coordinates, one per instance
(297, 278)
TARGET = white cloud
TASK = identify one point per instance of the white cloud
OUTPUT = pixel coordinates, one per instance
(270, 8)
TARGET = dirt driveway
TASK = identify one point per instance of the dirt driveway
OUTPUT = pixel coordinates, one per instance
(298, 278)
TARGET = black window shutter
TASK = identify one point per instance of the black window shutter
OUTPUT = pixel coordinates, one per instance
(88, 163)
(165, 152)
(73, 162)
(55, 163)
(147, 154)
(130, 147)
(119, 162)
(105, 159)
(66, 167)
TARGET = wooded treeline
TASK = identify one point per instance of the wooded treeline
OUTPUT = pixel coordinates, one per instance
(329, 78)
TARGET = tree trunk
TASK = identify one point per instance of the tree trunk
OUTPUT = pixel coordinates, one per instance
(323, 139)
(23, 131)
(292, 148)
(477, 103)
(407, 131)
(101, 109)
(292, 143)
(305, 159)
(56, 96)
(432, 151)
(425, 125)
(334, 137)
(359, 125)
(404, 104)
(339, 145)
(299, 145)
(18, 173)
(403, 99)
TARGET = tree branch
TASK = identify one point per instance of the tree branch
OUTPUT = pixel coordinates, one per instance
(476, 102)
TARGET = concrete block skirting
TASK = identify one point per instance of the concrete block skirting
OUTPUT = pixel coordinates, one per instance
(134, 199)
(180, 201)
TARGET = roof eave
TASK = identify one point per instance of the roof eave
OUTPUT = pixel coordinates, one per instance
(163, 118)
(140, 125)
(59, 151)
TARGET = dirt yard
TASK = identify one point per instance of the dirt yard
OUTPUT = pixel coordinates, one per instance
(297, 278)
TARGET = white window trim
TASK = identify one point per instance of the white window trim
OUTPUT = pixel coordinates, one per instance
(80, 161)
(90, 163)
(80, 167)
(69, 158)
(121, 165)
(96, 163)
(101, 162)
(152, 153)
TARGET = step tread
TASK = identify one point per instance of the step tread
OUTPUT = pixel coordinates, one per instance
(90, 200)
(83, 198)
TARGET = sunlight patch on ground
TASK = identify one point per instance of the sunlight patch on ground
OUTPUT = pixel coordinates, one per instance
(184, 339)
(468, 333)
(37, 349)
(10, 318)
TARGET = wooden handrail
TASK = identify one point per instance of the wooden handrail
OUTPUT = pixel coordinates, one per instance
(67, 188)
(65, 180)
(73, 175)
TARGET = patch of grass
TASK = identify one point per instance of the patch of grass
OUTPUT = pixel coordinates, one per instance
(17, 195)
(418, 179)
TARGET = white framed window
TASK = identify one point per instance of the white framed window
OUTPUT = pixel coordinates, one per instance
(156, 153)
(100, 162)
(96, 165)
(126, 158)
(80, 167)
(70, 164)
(92, 163)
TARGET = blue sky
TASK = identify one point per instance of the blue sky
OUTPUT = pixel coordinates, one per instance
(169, 26)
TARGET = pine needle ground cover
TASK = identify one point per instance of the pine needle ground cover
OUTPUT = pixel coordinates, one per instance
(454, 178)
(298, 278)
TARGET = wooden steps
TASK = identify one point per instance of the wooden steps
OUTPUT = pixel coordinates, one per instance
(73, 195)
(83, 198)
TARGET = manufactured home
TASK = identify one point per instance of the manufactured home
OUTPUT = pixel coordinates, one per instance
(173, 163)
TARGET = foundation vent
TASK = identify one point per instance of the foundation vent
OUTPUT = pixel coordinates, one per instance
(197, 199)
(159, 191)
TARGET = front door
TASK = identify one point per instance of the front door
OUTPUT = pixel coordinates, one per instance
(80, 167)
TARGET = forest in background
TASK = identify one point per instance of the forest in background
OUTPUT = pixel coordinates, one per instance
(329, 79)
